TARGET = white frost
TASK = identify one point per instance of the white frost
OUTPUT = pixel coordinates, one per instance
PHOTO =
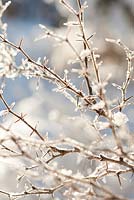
(119, 119)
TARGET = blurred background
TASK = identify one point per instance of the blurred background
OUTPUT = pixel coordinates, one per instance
(108, 19)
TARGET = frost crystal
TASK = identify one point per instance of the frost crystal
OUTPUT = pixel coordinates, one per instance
(99, 105)
(3, 7)
(3, 113)
(66, 172)
(97, 87)
(71, 23)
(102, 125)
(119, 119)
(85, 53)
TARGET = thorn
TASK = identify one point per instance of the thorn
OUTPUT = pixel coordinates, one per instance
(91, 36)
(20, 44)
